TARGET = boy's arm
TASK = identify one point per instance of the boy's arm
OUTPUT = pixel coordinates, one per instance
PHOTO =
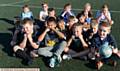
(14, 39)
(60, 34)
(83, 41)
(99, 17)
(23, 43)
(40, 17)
(112, 41)
(71, 13)
(33, 44)
(113, 44)
(70, 41)
(63, 14)
(108, 16)
(41, 37)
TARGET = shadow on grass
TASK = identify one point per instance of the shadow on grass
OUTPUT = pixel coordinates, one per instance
(4, 41)
(91, 65)
(39, 24)
(7, 21)
(46, 61)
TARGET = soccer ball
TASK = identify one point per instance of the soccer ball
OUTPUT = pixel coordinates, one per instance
(105, 50)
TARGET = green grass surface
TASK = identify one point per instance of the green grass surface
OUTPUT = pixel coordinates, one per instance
(6, 23)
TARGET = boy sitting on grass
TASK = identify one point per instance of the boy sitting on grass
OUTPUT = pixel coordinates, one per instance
(105, 46)
(77, 46)
(44, 12)
(25, 41)
(104, 15)
(54, 42)
(67, 11)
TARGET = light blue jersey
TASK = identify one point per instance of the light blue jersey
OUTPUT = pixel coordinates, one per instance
(27, 15)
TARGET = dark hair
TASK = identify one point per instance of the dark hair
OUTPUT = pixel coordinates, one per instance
(79, 15)
(44, 3)
(25, 6)
(71, 18)
(68, 4)
(50, 9)
(27, 20)
(105, 6)
(51, 19)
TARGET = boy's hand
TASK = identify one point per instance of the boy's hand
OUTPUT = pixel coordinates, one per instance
(118, 54)
(52, 28)
(115, 50)
(47, 30)
(25, 35)
(29, 36)
(80, 36)
(85, 45)
(97, 54)
(102, 14)
(29, 32)
(65, 11)
(86, 14)
(106, 15)
(73, 36)
(68, 10)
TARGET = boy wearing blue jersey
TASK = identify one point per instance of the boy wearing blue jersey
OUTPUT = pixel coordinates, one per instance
(105, 46)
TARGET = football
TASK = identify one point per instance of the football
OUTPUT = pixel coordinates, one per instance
(105, 50)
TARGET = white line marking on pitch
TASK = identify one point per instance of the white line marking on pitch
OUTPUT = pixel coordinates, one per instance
(7, 4)
(11, 5)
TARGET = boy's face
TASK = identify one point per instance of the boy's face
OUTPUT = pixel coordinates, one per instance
(45, 7)
(28, 28)
(26, 9)
(68, 8)
(105, 10)
(77, 31)
(61, 24)
(103, 32)
(95, 29)
(71, 22)
(52, 13)
(82, 19)
(87, 8)
(51, 25)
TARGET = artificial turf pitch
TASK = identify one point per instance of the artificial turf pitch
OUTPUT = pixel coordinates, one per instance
(11, 8)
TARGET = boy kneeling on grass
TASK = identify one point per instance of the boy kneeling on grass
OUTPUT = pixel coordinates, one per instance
(105, 46)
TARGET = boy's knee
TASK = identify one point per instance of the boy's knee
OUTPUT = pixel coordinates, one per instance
(64, 43)
(15, 48)
(41, 51)
(66, 49)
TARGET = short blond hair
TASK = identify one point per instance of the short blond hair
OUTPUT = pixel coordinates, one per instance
(87, 4)
(94, 23)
